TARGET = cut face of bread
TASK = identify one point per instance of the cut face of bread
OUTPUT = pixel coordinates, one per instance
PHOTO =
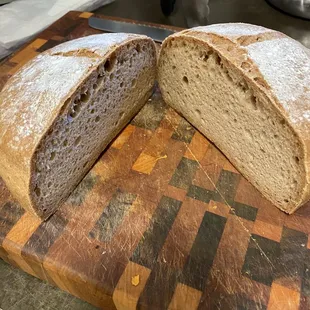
(113, 89)
(229, 109)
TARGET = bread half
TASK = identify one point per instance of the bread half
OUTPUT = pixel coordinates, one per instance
(247, 89)
(59, 112)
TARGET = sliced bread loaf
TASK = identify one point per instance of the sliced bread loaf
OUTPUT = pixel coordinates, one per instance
(61, 110)
(246, 88)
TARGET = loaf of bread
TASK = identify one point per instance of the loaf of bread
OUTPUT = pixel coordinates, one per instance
(247, 89)
(59, 112)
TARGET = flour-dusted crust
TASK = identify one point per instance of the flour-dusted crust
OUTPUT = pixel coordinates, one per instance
(275, 66)
(233, 29)
(38, 93)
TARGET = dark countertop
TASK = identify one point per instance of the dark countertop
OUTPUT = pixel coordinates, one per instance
(257, 12)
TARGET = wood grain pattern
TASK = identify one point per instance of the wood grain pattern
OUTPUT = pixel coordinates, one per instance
(162, 221)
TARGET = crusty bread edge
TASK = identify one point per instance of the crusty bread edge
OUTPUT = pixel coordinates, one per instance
(20, 184)
(188, 35)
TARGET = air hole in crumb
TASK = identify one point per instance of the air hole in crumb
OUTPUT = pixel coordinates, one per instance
(95, 86)
(109, 64)
(92, 111)
(205, 56)
(235, 120)
(111, 76)
(286, 200)
(198, 111)
(121, 84)
(297, 159)
(71, 115)
(218, 59)
(76, 107)
(49, 184)
(121, 114)
(276, 136)
(53, 154)
(85, 164)
(97, 247)
(77, 141)
(97, 119)
(282, 122)
(138, 48)
(44, 210)
(262, 150)
(197, 76)
(133, 83)
(99, 79)
(144, 48)
(185, 79)
(85, 96)
(243, 86)
(254, 102)
(173, 67)
(37, 191)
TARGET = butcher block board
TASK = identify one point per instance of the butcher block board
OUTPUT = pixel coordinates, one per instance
(162, 221)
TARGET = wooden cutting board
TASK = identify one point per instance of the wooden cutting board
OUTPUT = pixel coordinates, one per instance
(163, 220)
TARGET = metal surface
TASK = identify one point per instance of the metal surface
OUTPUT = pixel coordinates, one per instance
(300, 8)
(156, 33)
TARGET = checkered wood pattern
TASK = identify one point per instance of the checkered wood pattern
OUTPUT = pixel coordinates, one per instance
(162, 221)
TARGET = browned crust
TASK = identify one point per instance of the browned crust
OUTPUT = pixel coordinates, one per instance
(231, 51)
(17, 175)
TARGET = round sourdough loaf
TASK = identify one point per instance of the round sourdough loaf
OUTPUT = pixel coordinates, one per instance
(246, 88)
(60, 110)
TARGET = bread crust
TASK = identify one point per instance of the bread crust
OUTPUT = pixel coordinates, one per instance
(18, 147)
(231, 42)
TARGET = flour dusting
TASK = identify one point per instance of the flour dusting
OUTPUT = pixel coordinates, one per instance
(285, 65)
(98, 43)
(40, 86)
(233, 29)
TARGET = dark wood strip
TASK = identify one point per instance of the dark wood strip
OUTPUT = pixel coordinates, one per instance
(260, 263)
(183, 175)
(244, 211)
(151, 114)
(154, 237)
(305, 284)
(200, 193)
(112, 216)
(10, 213)
(159, 288)
(44, 237)
(293, 251)
(184, 132)
(203, 251)
(226, 186)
